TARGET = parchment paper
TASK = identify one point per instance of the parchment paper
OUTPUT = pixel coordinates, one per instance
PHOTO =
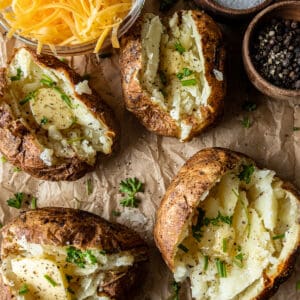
(154, 160)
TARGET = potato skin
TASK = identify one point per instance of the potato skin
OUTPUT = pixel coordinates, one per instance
(138, 101)
(19, 144)
(59, 226)
(197, 176)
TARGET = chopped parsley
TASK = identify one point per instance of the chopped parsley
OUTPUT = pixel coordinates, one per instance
(205, 262)
(183, 248)
(197, 229)
(89, 186)
(246, 122)
(80, 258)
(185, 73)
(178, 47)
(221, 268)
(278, 237)
(18, 76)
(47, 81)
(249, 106)
(224, 245)
(29, 97)
(116, 213)
(246, 173)
(24, 289)
(16, 201)
(44, 121)
(50, 280)
(189, 82)
(218, 219)
(33, 203)
(130, 187)
(176, 288)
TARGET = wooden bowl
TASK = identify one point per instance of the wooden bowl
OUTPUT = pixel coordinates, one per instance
(230, 13)
(286, 10)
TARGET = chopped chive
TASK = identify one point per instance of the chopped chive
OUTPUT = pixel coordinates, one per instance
(64, 97)
(44, 121)
(278, 237)
(189, 82)
(224, 245)
(29, 97)
(33, 203)
(179, 47)
(246, 122)
(221, 268)
(185, 73)
(18, 76)
(24, 289)
(1, 225)
(46, 80)
(17, 169)
(183, 248)
(16, 201)
(205, 262)
(238, 260)
(116, 213)
(50, 280)
(3, 159)
(89, 186)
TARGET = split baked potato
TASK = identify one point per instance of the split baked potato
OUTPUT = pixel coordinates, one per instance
(230, 227)
(62, 253)
(173, 73)
(52, 124)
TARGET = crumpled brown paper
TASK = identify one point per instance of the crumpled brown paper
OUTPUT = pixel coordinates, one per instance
(154, 160)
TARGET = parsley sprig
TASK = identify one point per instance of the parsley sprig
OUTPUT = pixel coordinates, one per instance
(130, 187)
(80, 258)
(16, 201)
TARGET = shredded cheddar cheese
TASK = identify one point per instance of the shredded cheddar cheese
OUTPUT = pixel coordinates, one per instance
(66, 22)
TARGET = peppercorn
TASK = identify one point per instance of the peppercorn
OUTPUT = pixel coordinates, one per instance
(276, 53)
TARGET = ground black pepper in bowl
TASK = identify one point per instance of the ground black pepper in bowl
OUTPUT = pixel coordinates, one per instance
(276, 53)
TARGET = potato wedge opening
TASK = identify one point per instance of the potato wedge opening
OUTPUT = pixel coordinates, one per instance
(46, 101)
(241, 236)
(59, 273)
(173, 70)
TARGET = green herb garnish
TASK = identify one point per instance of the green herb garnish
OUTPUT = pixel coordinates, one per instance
(29, 97)
(64, 97)
(44, 121)
(246, 173)
(80, 258)
(17, 169)
(24, 289)
(46, 80)
(221, 268)
(205, 262)
(116, 213)
(224, 245)
(197, 229)
(249, 106)
(176, 288)
(238, 260)
(178, 47)
(278, 237)
(189, 82)
(50, 280)
(3, 159)
(18, 76)
(16, 201)
(89, 186)
(102, 252)
(219, 218)
(130, 186)
(183, 248)
(33, 203)
(185, 73)
(246, 122)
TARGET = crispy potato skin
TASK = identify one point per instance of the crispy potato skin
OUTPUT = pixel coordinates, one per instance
(18, 143)
(138, 101)
(198, 175)
(83, 230)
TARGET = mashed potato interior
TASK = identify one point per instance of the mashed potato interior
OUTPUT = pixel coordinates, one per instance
(243, 229)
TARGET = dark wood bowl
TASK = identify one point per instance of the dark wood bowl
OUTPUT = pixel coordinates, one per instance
(286, 10)
(230, 13)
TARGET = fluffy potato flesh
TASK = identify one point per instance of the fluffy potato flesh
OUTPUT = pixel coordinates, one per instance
(241, 232)
(173, 71)
(47, 102)
(60, 273)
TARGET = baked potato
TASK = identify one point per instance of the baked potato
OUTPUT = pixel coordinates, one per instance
(173, 73)
(62, 253)
(52, 124)
(229, 226)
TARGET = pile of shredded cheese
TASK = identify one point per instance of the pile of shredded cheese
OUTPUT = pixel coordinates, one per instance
(65, 22)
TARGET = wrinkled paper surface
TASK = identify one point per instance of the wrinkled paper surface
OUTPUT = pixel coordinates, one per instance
(154, 160)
